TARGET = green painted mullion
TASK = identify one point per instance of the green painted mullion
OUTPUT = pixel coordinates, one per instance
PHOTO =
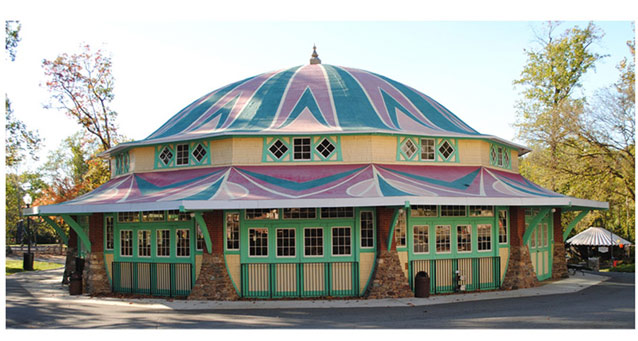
(395, 217)
(204, 229)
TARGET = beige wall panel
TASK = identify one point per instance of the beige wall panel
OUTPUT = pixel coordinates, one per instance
(341, 276)
(108, 261)
(366, 262)
(465, 270)
(443, 272)
(144, 276)
(247, 150)
(403, 261)
(198, 265)
(384, 148)
(421, 265)
(356, 148)
(234, 269)
(221, 152)
(313, 277)
(504, 254)
(514, 158)
(141, 159)
(474, 152)
(259, 277)
(486, 270)
(286, 277)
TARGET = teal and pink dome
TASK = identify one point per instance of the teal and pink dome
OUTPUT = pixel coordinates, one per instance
(313, 99)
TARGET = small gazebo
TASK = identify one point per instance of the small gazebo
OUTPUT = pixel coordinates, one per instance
(595, 240)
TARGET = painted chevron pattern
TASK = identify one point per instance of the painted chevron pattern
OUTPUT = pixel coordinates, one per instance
(224, 184)
(313, 99)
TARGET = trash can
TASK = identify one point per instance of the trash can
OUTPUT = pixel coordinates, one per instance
(27, 261)
(422, 285)
(593, 263)
(79, 265)
(75, 286)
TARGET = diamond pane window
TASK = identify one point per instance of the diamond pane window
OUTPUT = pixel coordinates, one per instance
(493, 154)
(166, 156)
(500, 156)
(409, 148)
(278, 149)
(325, 148)
(506, 158)
(199, 153)
(446, 149)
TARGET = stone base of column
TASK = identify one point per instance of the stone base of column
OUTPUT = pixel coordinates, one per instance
(213, 282)
(520, 272)
(559, 262)
(389, 280)
(94, 277)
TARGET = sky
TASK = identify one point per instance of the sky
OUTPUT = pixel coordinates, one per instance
(162, 63)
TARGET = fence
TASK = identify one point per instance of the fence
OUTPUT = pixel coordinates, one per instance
(160, 279)
(459, 274)
(270, 280)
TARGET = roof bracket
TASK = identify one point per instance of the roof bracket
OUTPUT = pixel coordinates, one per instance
(58, 229)
(202, 227)
(573, 223)
(78, 230)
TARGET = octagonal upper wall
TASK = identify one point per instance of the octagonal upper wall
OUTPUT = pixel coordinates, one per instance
(318, 149)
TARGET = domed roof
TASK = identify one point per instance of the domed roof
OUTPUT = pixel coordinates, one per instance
(313, 99)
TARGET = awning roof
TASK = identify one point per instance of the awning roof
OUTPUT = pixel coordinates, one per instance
(597, 236)
(241, 187)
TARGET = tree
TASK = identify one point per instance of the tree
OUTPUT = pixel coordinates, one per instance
(12, 37)
(19, 139)
(549, 79)
(81, 84)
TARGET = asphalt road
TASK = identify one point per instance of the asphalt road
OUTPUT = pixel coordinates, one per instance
(610, 304)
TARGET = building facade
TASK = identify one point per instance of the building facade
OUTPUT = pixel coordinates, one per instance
(316, 181)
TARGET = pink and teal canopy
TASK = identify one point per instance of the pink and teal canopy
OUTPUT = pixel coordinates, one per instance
(313, 99)
(313, 186)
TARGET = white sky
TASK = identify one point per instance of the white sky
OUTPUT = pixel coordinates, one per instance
(163, 59)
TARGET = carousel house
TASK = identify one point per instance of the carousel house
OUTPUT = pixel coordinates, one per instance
(315, 181)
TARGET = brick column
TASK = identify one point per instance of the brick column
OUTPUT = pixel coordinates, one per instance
(520, 272)
(213, 282)
(94, 277)
(388, 281)
(559, 262)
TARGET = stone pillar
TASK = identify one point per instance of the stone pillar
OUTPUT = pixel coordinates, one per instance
(559, 261)
(388, 280)
(520, 272)
(94, 277)
(213, 282)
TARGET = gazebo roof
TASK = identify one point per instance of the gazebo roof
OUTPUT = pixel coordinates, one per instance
(597, 236)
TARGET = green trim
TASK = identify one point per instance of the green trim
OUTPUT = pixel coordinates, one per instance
(78, 230)
(573, 223)
(192, 161)
(395, 217)
(535, 221)
(122, 163)
(438, 141)
(204, 229)
(58, 229)
(507, 164)
(287, 140)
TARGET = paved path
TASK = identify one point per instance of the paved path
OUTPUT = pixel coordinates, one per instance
(38, 300)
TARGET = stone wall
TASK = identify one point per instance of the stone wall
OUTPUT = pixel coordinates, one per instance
(559, 262)
(213, 282)
(388, 278)
(520, 272)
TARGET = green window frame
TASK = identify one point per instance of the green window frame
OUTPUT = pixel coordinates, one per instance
(232, 231)
(421, 240)
(500, 156)
(182, 154)
(126, 243)
(144, 243)
(200, 243)
(285, 242)
(503, 223)
(463, 238)
(427, 149)
(366, 233)
(258, 242)
(163, 242)
(443, 235)
(341, 241)
(484, 237)
(109, 230)
(313, 242)
(289, 148)
(122, 163)
(182, 243)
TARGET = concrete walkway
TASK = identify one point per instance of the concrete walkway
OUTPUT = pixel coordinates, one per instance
(46, 285)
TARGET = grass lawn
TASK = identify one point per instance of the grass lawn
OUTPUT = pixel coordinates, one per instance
(14, 266)
(624, 268)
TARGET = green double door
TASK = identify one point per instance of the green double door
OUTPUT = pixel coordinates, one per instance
(540, 249)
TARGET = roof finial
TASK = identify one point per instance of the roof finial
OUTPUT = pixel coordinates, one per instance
(315, 57)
